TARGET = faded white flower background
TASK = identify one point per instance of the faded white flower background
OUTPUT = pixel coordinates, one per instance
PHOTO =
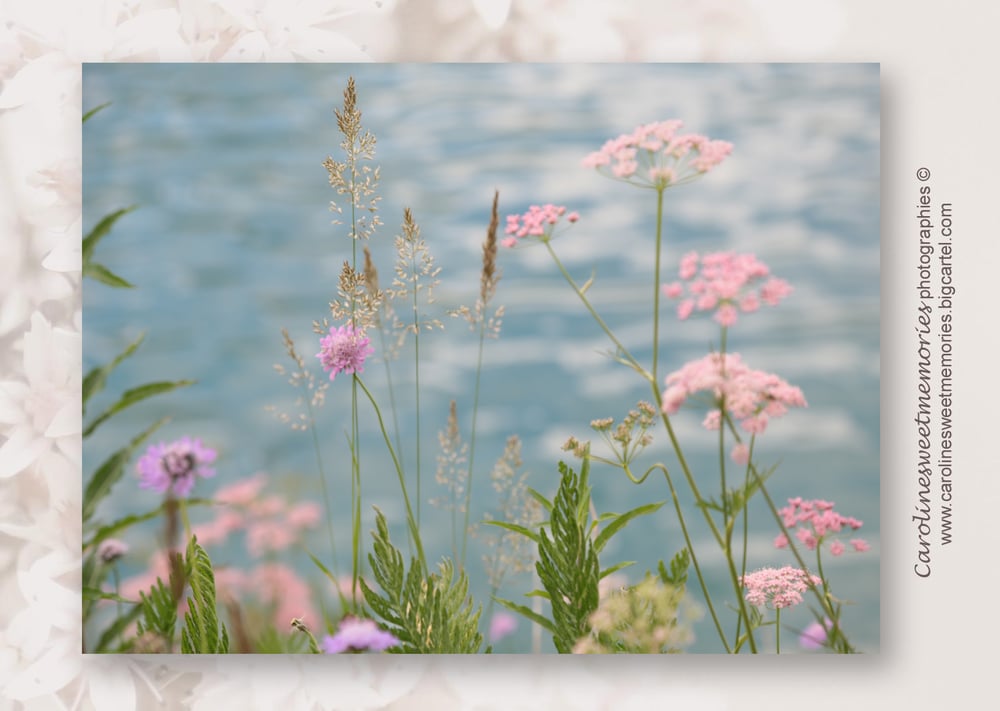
(42, 46)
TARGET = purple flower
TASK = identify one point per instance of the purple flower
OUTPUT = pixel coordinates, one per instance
(357, 635)
(174, 466)
(111, 549)
(344, 351)
(502, 624)
(814, 636)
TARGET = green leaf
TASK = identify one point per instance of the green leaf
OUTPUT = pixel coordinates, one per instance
(126, 521)
(621, 521)
(117, 628)
(546, 504)
(111, 471)
(529, 613)
(96, 378)
(203, 633)
(95, 110)
(131, 397)
(100, 230)
(98, 594)
(523, 530)
(615, 568)
(100, 273)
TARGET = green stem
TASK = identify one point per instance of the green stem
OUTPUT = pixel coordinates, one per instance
(410, 518)
(416, 371)
(472, 437)
(777, 630)
(323, 484)
(694, 558)
(656, 283)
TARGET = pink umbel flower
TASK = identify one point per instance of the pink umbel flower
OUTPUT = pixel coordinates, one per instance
(174, 466)
(538, 223)
(778, 587)
(656, 155)
(344, 350)
(814, 636)
(355, 635)
(750, 396)
(726, 283)
(815, 522)
(740, 454)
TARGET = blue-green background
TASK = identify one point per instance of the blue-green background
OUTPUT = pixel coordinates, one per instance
(233, 241)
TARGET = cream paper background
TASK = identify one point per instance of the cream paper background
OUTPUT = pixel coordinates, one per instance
(939, 110)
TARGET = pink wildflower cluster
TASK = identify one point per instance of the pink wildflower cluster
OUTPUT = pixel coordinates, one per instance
(344, 350)
(750, 396)
(727, 283)
(539, 221)
(654, 154)
(814, 521)
(272, 523)
(175, 466)
(778, 587)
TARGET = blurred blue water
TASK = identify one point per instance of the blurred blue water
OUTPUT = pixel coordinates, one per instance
(233, 241)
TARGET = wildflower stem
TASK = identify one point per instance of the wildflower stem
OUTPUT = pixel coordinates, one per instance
(323, 484)
(472, 437)
(777, 630)
(416, 371)
(694, 558)
(410, 519)
(656, 281)
(600, 322)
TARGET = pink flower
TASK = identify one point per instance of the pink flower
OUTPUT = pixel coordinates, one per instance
(537, 223)
(654, 155)
(175, 466)
(778, 587)
(344, 350)
(814, 636)
(280, 587)
(815, 522)
(726, 283)
(242, 492)
(750, 396)
(502, 625)
(304, 515)
(740, 454)
(356, 635)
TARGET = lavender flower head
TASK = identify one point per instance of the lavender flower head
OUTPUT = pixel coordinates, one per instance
(344, 350)
(174, 466)
(357, 635)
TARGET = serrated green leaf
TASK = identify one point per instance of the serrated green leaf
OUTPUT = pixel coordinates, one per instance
(100, 273)
(621, 521)
(117, 628)
(111, 471)
(133, 396)
(101, 229)
(96, 378)
(203, 632)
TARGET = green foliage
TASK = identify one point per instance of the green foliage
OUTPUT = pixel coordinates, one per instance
(567, 561)
(94, 382)
(131, 397)
(127, 521)
(429, 615)
(111, 471)
(159, 613)
(91, 269)
(203, 633)
(95, 110)
(678, 573)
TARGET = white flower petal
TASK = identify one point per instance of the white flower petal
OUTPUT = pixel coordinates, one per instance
(493, 12)
(111, 685)
(48, 674)
(35, 80)
(20, 451)
(67, 420)
(12, 397)
(67, 256)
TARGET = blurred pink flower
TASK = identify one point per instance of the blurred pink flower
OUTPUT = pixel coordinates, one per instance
(305, 515)
(814, 636)
(355, 635)
(277, 585)
(502, 624)
(750, 396)
(727, 283)
(538, 223)
(243, 492)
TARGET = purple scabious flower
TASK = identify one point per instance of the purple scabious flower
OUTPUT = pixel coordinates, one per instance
(344, 350)
(357, 635)
(814, 636)
(174, 466)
